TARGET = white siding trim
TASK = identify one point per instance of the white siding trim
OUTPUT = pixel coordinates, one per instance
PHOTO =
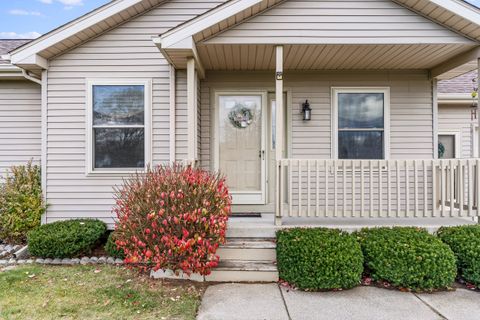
(386, 115)
(172, 119)
(435, 118)
(147, 83)
(44, 139)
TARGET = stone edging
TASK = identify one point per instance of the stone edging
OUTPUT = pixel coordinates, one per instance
(67, 262)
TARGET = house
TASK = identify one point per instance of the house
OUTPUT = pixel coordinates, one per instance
(320, 110)
(457, 116)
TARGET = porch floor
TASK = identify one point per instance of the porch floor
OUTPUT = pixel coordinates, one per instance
(264, 227)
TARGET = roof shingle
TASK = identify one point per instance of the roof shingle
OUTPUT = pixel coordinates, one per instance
(8, 45)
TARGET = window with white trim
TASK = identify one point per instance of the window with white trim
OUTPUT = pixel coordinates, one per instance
(361, 123)
(118, 120)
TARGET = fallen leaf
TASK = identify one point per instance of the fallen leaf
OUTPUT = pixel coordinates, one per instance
(97, 271)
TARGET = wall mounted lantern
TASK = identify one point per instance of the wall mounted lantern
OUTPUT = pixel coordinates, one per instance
(307, 111)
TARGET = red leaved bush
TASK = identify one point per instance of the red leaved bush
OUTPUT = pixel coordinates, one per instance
(172, 217)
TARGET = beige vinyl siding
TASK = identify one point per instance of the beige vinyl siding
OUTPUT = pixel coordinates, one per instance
(457, 118)
(20, 123)
(338, 22)
(411, 117)
(124, 52)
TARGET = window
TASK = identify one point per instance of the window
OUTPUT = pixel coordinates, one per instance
(118, 118)
(448, 145)
(361, 126)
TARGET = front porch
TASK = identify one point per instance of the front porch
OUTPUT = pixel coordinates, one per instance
(367, 152)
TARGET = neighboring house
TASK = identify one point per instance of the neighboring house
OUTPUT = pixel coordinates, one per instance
(224, 84)
(20, 115)
(458, 116)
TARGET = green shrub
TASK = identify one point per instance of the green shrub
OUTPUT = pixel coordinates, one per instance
(111, 247)
(65, 239)
(319, 258)
(407, 257)
(465, 243)
(21, 203)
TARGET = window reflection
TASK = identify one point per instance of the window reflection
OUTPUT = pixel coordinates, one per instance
(361, 125)
(119, 148)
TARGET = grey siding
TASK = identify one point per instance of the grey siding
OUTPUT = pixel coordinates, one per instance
(411, 116)
(340, 21)
(126, 51)
(457, 118)
(20, 123)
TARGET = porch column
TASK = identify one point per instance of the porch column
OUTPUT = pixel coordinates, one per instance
(191, 110)
(478, 104)
(279, 128)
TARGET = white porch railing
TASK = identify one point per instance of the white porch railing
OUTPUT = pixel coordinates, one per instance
(378, 188)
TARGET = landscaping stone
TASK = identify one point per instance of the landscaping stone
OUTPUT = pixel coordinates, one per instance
(12, 261)
(75, 261)
(40, 260)
(84, 261)
(21, 261)
(29, 261)
(22, 253)
(93, 260)
(48, 261)
(110, 260)
(67, 261)
(2, 247)
(118, 261)
(3, 262)
(57, 261)
(8, 248)
(102, 260)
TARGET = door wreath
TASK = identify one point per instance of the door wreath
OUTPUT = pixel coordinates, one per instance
(240, 116)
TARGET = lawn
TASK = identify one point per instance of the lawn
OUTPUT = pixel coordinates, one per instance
(93, 292)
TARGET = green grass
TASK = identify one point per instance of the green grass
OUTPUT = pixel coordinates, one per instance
(93, 292)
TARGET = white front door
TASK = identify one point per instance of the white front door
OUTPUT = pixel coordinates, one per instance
(240, 152)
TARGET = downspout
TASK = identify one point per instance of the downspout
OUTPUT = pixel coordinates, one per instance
(29, 77)
(172, 114)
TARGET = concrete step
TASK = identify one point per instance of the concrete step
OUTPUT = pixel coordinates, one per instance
(256, 249)
(251, 227)
(244, 271)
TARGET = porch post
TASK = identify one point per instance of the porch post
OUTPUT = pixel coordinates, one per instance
(279, 128)
(191, 114)
(478, 105)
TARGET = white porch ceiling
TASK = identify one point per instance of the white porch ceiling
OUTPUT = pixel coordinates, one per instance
(330, 57)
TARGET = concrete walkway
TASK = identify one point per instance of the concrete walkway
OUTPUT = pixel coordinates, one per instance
(272, 302)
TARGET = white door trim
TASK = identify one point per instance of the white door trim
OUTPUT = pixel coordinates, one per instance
(458, 140)
(242, 197)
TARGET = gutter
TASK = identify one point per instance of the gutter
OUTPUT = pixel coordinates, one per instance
(455, 98)
(9, 71)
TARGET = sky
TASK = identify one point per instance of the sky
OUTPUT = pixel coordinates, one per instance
(28, 19)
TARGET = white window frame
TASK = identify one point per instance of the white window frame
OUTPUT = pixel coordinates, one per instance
(457, 134)
(386, 115)
(90, 162)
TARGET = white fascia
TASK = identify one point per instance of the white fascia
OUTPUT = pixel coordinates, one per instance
(205, 21)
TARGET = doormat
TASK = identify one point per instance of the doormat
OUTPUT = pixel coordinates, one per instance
(246, 215)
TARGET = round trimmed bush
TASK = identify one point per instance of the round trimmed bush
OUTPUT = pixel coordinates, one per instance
(65, 239)
(111, 247)
(172, 217)
(407, 257)
(319, 258)
(465, 243)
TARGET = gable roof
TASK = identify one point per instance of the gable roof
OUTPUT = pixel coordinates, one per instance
(458, 85)
(452, 14)
(83, 28)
